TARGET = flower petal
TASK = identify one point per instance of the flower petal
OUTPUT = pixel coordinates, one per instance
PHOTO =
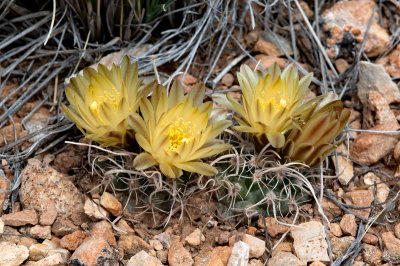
(218, 127)
(138, 125)
(245, 129)
(209, 151)
(167, 170)
(143, 142)
(198, 167)
(196, 94)
(77, 119)
(144, 161)
(276, 139)
(176, 94)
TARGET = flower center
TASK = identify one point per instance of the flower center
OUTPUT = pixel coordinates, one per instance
(180, 132)
(111, 95)
(108, 95)
(276, 99)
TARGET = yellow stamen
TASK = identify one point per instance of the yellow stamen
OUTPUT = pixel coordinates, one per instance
(110, 95)
(276, 99)
(94, 107)
(179, 132)
(106, 95)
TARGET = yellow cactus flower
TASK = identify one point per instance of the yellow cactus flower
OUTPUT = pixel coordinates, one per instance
(269, 102)
(176, 131)
(311, 141)
(102, 100)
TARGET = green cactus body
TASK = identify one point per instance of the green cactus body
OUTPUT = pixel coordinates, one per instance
(256, 191)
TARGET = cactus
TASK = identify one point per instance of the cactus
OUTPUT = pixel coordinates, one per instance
(257, 184)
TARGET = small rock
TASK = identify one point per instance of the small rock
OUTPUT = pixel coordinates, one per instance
(397, 230)
(235, 238)
(370, 239)
(397, 172)
(104, 230)
(179, 256)
(221, 88)
(361, 198)
(368, 148)
(354, 123)
(343, 165)
(284, 246)
(341, 65)
(12, 235)
(42, 186)
(164, 238)
(255, 262)
(72, 241)
(20, 218)
(36, 122)
(188, 80)
(223, 238)
(219, 256)
(348, 224)
(266, 48)
(380, 108)
(1, 226)
(94, 210)
(99, 247)
(67, 160)
(4, 185)
(7, 133)
(156, 244)
(331, 210)
(256, 245)
(345, 18)
(195, 238)
(265, 61)
(340, 245)
(336, 230)
(391, 63)
(55, 259)
(396, 152)
(296, 16)
(123, 225)
(11, 254)
(38, 252)
(372, 255)
(372, 77)
(162, 255)
(392, 247)
(143, 259)
(309, 242)
(274, 45)
(95, 252)
(132, 244)
(273, 228)
(43, 232)
(251, 231)
(62, 227)
(49, 215)
(111, 204)
(317, 263)
(382, 189)
(240, 254)
(251, 37)
(235, 95)
(284, 258)
(228, 80)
